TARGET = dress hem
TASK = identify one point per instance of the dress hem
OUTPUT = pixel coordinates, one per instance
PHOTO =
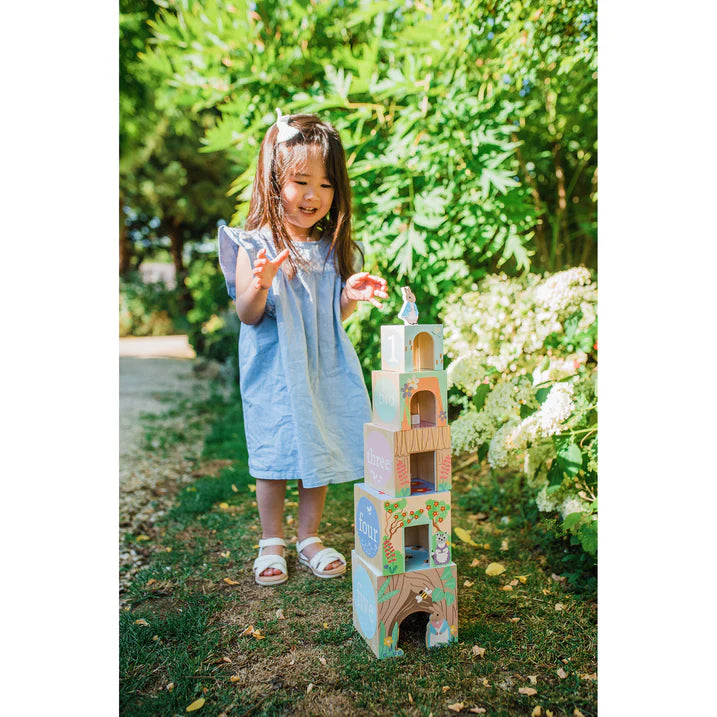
(308, 482)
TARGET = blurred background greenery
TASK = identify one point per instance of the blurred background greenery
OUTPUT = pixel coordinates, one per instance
(470, 130)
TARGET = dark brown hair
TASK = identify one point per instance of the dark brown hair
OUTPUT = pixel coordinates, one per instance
(276, 162)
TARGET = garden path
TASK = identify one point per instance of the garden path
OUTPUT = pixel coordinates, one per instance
(154, 370)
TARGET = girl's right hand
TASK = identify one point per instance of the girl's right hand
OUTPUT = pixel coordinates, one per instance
(265, 269)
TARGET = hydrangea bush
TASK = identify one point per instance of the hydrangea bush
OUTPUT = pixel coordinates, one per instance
(524, 371)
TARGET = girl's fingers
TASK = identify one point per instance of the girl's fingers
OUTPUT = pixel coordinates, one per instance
(281, 257)
(376, 303)
(261, 254)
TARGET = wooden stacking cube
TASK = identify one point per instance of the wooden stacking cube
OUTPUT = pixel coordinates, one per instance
(417, 347)
(409, 400)
(380, 604)
(396, 535)
(401, 463)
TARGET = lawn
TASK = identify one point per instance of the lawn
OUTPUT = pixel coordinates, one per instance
(196, 630)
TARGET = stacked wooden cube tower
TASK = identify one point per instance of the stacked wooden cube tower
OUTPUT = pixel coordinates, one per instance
(401, 562)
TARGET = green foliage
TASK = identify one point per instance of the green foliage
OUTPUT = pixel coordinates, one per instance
(213, 323)
(146, 309)
(470, 129)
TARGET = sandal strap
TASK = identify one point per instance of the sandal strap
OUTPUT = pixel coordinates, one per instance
(307, 541)
(271, 541)
(269, 561)
(325, 557)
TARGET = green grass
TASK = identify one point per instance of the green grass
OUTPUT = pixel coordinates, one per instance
(193, 637)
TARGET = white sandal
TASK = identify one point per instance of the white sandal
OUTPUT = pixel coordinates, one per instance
(324, 557)
(263, 562)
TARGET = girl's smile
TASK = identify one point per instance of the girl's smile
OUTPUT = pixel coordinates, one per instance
(306, 197)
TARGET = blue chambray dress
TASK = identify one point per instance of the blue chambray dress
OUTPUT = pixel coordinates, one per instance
(303, 394)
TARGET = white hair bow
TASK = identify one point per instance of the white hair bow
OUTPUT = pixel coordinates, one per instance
(286, 131)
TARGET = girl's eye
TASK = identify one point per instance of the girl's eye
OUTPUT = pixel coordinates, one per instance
(299, 182)
(326, 186)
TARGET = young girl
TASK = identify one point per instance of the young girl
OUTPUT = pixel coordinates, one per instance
(294, 275)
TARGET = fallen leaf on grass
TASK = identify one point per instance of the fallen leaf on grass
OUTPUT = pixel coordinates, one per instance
(495, 569)
(227, 659)
(558, 578)
(507, 587)
(326, 624)
(257, 634)
(527, 691)
(310, 687)
(475, 562)
(229, 581)
(591, 676)
(469, 583)
(140, 538)
(533, 679)
(537, 711)
(456, 706)
(289, 519)
(225, 554)
(559, 606)
(248, 631)
(522, 578)
(224, 506)
(513, 583)
(234, 678)
(577, 713)
(150, 581)
(485, 682)
(410, 698)
(234, 488)
(548, 713)
(465, 536)
(155, 638)
(280, 614)
(445, 688)
(322, 660)
(196, 705)
(485, 546)
(170, 686)
(545, 592)
(252, 487)
(141, 622)
(504, 545)
(478, 710)
(479, 651)
(562, 674)
(515, 619)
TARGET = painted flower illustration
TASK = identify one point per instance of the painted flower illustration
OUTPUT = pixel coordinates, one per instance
(387, 641)
(442, 416)
(413, 383)
(454, 629)
(406, 390)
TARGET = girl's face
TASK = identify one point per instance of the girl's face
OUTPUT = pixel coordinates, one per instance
(306, 196)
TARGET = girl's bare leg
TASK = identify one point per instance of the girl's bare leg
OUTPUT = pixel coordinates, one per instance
(311, 508)
(270, 501)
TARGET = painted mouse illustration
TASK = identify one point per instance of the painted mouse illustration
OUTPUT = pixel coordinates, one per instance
(409, 311)
(438, 632)
(442, 553)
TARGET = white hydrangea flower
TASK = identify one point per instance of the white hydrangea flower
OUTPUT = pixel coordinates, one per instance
(501, 446)
(535, 456)
(545, 502)
(571, 505)
(555, 410)
(501, 402)
(562, 290)
(470, 430)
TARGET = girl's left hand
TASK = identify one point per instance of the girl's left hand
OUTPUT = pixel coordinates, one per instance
(364, 287)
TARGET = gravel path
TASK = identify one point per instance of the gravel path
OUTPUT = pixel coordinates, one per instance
(150, 476)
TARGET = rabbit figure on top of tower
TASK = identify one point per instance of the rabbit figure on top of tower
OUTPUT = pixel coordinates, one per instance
(409, 311)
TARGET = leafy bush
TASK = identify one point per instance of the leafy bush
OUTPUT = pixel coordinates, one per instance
(146, 309)
(525, 365)
(470, 128)
(213, 326)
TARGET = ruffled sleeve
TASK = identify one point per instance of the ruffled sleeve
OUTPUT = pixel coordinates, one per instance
(230, 239)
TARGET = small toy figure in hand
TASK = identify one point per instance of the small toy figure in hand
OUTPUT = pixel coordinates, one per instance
(409, 311)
